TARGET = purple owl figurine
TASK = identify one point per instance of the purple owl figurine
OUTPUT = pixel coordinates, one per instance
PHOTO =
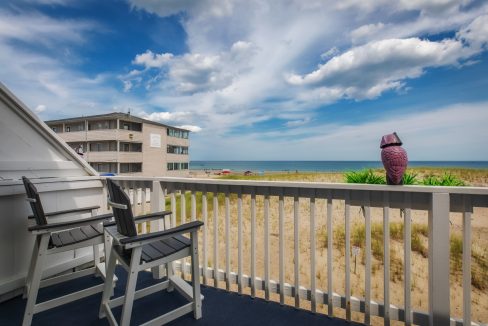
(394, 158)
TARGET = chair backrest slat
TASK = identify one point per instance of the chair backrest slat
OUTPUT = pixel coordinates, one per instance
(35, 204)
(123, 217)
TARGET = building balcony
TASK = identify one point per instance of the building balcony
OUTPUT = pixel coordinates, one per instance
(102, 134)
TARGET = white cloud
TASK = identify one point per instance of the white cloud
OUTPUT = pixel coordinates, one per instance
(476, 33)
(298, 123)
(151, 60)
(46, 75)
(34, 27)
(40, 108)
(173, 7)
(165, 116)
(190, 127)
(196, 72)
(369, 70)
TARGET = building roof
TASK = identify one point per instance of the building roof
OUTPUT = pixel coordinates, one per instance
(114, 115)
(34, 150)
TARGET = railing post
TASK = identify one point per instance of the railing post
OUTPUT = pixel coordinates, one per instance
(157, 205)
(439, 247)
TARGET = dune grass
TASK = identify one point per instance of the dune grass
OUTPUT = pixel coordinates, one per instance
(417, 175)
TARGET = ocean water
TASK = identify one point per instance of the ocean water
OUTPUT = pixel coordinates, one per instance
(322, 166)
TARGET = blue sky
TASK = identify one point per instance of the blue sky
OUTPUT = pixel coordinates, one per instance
(262, 80)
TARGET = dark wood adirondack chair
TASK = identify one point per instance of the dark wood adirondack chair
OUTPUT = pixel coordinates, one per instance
(139, 252)
(52, 238)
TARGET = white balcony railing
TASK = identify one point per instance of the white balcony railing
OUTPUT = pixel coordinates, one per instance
(439, 202)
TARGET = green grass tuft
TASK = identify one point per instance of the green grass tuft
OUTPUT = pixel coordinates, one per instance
(364, 176)
(447, 179)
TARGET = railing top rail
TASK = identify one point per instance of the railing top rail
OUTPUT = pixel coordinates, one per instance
(313, 185)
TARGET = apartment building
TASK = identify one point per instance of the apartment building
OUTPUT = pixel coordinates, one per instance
(124, 144)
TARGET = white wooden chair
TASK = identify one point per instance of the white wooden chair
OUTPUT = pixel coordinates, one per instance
(53, 238)
(139, 252)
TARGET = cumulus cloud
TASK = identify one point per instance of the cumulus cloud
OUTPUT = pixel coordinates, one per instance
(195, 72)
(476, 33)
(190, 127)
(151, 60)
(369, 70)
(166, 116)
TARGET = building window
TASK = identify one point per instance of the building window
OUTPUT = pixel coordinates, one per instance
(107, 146)
(54, 129)
(127, 125)
(130, 167)
(104, 124)
(177, 166)
(172, 149)
(177, 133)
(75, 127)
(104, 167)
(130, 147)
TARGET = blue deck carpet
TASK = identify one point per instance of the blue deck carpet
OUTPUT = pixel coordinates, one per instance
(219, 308)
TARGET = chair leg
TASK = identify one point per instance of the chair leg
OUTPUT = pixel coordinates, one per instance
(195, 277)
(36, 279)
(131, 286)
(107, 247)
(96, 258)
(108, 286)
(169, 273)
(28, 280)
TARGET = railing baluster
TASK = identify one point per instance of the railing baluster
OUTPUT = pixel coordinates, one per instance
(467, 260)
(312, 254)
(205, 236)
(239, 241)
(134, 197)
(281, 212)
(227, 241)
(386, 257)
(143, 206)
(216, 237)
(157, 204)
(253, 244)
(407, 245)
(183, 221)
(266, 246)
(347, 254)
(367, 272)
(173, 208)
(330, 290)
(296, 216)
(193, 205)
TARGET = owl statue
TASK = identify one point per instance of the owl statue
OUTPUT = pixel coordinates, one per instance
(394, 158)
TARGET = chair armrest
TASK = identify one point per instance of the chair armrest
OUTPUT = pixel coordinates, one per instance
(144, 218)
(52, 227)
(68, 211)
(142, 239)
